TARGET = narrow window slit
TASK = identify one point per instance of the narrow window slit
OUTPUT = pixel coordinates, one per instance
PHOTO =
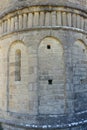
(83, 50)
(18, 65)
(48, 47)
(50, 81)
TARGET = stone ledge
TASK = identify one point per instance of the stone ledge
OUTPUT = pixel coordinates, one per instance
(44, 28)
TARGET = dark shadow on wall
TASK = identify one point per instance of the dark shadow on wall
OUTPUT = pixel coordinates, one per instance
(1, 127)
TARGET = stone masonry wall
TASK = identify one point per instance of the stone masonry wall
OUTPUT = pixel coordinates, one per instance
(13, 5)
(45, 84)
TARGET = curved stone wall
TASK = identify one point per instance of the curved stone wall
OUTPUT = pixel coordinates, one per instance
(10, 5)
(43, 58)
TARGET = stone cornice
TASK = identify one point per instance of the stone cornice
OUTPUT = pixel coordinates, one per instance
(43, 17)
(44, 28)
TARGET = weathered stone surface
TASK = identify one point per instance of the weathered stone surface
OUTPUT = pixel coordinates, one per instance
(43, 64)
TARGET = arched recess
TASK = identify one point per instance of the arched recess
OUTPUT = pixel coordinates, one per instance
(2, 85)
(18, 78)
(51, 69)
(79, 58)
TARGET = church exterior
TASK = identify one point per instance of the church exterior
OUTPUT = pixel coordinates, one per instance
(43, 64)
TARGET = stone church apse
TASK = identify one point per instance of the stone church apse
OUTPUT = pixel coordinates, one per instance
(43, 65)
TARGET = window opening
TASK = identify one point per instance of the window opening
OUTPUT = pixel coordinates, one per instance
(48, 47)
(17, 65)
(50, 81)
